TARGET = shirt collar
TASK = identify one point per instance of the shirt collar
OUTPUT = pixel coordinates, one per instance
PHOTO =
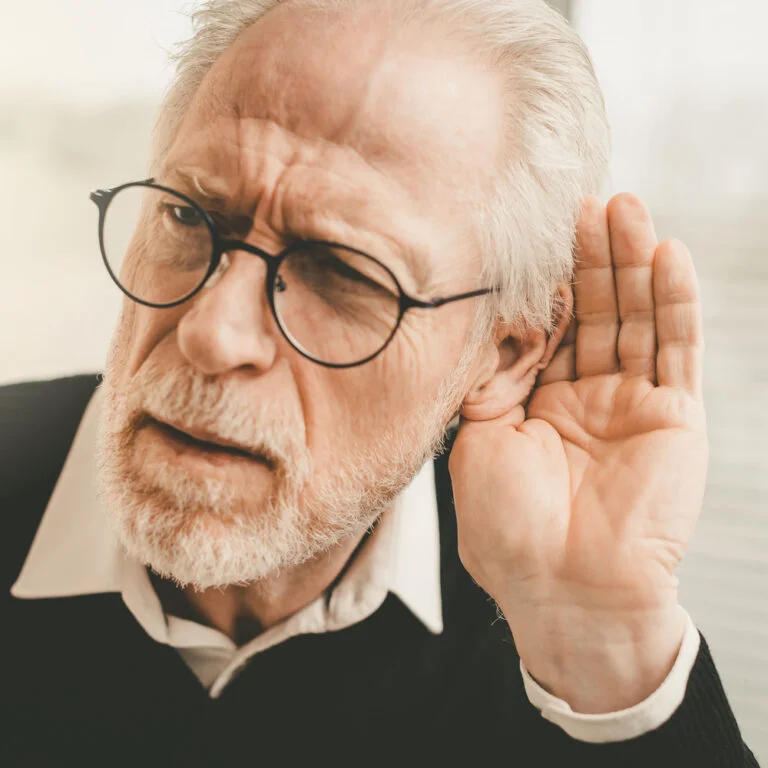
(75, 551)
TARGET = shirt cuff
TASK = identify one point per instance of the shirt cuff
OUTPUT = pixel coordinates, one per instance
(626, 723)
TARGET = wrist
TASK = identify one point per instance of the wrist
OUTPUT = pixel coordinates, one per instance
(606, 664)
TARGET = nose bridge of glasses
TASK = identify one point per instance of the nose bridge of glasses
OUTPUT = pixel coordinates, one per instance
(228, 245)
(226, 261)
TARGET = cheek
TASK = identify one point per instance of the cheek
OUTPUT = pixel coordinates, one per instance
(345, 410)
(423, 354)
(139, 330)
(362, 402)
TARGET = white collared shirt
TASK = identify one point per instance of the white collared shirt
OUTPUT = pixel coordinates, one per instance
(75, 552)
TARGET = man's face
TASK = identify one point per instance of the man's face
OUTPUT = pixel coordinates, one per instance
(317, 128)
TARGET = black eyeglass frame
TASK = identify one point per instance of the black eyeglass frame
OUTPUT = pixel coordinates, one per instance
(221, 245)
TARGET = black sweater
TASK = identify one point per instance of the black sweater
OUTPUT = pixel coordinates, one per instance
(84, 685)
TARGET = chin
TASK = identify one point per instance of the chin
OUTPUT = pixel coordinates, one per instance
(194, 546)
(200, 532)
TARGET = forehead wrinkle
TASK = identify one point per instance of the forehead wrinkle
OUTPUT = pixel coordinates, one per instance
(244, 152)
(307, 186)
(360, 207)
(213, 189)
(252, 155)
(306, 79)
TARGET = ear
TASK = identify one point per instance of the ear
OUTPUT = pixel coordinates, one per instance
(508, 372)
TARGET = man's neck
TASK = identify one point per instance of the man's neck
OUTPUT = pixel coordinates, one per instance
(243, 612)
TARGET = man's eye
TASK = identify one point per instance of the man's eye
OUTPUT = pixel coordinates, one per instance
(185, 215)
(344, 270)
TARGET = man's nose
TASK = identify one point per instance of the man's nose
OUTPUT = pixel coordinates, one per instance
(229, 324)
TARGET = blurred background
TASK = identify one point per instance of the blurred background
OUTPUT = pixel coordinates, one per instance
(686, 85)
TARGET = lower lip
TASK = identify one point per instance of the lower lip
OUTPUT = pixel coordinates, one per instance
(192, 450)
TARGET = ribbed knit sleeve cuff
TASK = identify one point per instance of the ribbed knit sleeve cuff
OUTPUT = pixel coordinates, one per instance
(705, 720)
(701, 732)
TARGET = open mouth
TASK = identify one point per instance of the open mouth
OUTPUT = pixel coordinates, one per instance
(185, 440)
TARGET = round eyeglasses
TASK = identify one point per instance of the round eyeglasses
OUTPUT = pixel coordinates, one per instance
(335, 305)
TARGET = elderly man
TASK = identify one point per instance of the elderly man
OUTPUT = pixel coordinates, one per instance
(359, 226)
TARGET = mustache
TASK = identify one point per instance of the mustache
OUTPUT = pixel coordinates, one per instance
(184, 396)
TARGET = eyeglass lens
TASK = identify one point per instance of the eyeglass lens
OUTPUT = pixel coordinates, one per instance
(156, 244)
(336, 305)
(333, 304)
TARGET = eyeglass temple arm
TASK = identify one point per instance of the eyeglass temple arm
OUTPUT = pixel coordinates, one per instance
(448, 299)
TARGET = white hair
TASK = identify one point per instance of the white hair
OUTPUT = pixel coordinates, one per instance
(558, 136)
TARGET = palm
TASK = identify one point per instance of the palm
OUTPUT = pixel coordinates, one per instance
(617, 438)
(602, 481)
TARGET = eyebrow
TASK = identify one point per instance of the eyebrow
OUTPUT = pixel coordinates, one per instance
(211, 188)
(216, 192)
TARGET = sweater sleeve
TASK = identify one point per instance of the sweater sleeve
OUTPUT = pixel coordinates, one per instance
(702, 731)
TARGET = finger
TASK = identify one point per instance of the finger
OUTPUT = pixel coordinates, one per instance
(633, 244)
(678, 318)
(562, 367)
(595, 293)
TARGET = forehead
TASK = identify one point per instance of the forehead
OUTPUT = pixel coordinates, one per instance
(410, 99)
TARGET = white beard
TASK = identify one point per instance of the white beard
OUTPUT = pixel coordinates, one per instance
(204, 533)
